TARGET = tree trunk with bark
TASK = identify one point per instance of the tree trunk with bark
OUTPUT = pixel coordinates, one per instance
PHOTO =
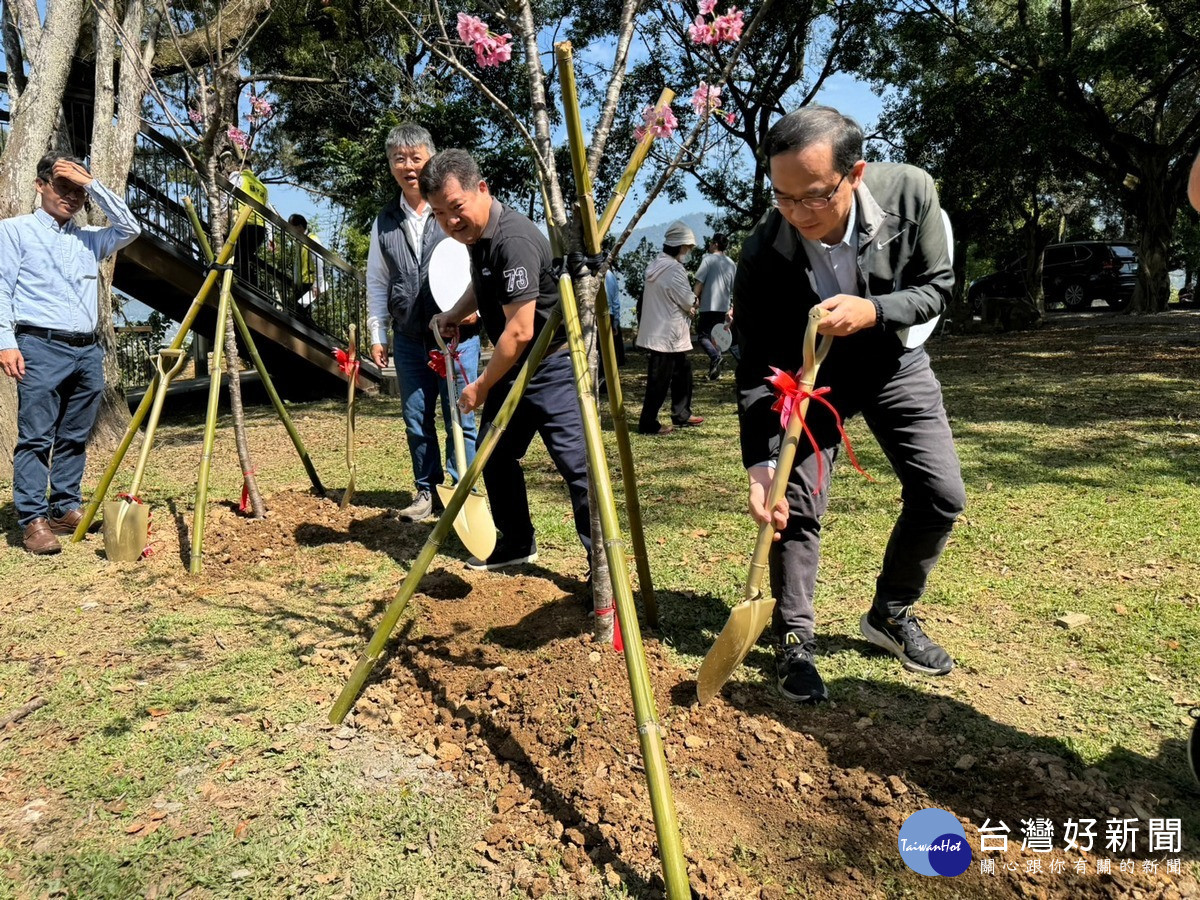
(233, 364)
(1157, 199)
(116, 121)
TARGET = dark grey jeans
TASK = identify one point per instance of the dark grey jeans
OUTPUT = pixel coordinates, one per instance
(902, 405)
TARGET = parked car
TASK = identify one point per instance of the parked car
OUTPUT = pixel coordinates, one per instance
(1074, 274)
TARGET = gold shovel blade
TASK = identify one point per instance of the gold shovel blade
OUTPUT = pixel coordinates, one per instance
(126, 530)
(746, 622)
(473, 524)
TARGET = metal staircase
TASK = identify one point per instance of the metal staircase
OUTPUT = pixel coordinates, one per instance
(164, 267)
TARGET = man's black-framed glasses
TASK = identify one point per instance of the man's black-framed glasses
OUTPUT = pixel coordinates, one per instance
(789, 203)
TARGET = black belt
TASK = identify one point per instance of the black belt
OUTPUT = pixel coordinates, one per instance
(74, 338)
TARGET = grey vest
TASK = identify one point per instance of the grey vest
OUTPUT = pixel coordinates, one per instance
(410, 302)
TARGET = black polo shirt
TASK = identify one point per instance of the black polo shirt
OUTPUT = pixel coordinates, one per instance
(510, 262)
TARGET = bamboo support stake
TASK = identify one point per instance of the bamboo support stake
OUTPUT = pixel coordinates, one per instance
(635, 162)
(210, 428)
(445, 524)
(662, 803)
(593, 234)
(198, 230)
(265, 377)
(210, 280)
(352, 381)
(280, 410)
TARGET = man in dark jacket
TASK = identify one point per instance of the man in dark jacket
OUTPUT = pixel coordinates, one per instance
(867, 243)
(402, 242)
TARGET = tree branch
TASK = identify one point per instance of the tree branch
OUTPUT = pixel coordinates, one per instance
(556, 212)
(29, 23)
(458, 67)
(615, 83)
(13, 58)
(291, 79)
(685, 147)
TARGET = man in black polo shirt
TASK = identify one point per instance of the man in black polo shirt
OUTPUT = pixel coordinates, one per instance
(513, 289)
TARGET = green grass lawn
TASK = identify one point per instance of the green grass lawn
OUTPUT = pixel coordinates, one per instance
(184, 746)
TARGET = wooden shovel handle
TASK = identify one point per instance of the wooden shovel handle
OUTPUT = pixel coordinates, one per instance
(814, 355)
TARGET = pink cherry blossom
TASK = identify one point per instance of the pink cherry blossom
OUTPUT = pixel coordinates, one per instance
(730, 119)
(493, 50)
(706, 98)
(701, 32)
(723, 28)
(238, 138)
(260, 108)
(729, 26)
(195, 116)
(471, 29)
(660, 122)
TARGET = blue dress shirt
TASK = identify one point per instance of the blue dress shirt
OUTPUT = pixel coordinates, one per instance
(49, 273)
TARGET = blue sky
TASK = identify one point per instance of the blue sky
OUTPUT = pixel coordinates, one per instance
(848, 94)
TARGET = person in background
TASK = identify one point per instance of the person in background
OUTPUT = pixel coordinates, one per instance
(49, 312)
(612, 289)
(308, 269)
(254, 232)
(714, 290)
(402, 242)
(665, 331)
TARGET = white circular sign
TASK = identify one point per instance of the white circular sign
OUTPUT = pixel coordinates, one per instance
(449, 272)
(722, 337)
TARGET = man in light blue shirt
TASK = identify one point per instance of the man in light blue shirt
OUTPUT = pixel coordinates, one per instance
(49, 269)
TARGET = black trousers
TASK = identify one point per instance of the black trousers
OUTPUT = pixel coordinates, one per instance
(903, 408)
(549, 407)
(668, 372)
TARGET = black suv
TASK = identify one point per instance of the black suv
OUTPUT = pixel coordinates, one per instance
(1073, 274)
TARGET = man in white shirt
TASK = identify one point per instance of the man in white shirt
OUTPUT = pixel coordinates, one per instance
(402, 242)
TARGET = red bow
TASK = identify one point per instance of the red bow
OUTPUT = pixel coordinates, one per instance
(347, 363)
(437, 361)
(790, 392)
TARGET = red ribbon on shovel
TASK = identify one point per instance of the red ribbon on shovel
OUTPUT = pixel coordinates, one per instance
(347, 363)
(437, 360)
(790, 391)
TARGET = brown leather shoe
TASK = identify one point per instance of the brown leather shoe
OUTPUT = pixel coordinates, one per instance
(662, 429)
(68, 523)
(691, 422)
(39, 539)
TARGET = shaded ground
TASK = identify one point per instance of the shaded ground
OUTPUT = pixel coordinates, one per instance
(494, 702)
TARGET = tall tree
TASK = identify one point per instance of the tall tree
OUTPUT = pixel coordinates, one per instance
(1123, 77)
(786, 62)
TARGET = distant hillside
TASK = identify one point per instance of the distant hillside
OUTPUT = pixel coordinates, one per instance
(656, 233)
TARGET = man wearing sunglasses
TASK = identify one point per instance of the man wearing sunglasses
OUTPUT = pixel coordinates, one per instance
(865, 242)
(49, 269)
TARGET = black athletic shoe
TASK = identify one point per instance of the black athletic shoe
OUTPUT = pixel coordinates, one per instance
(798, 678)
(503, 556)
(903, 637)
(714, 368)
